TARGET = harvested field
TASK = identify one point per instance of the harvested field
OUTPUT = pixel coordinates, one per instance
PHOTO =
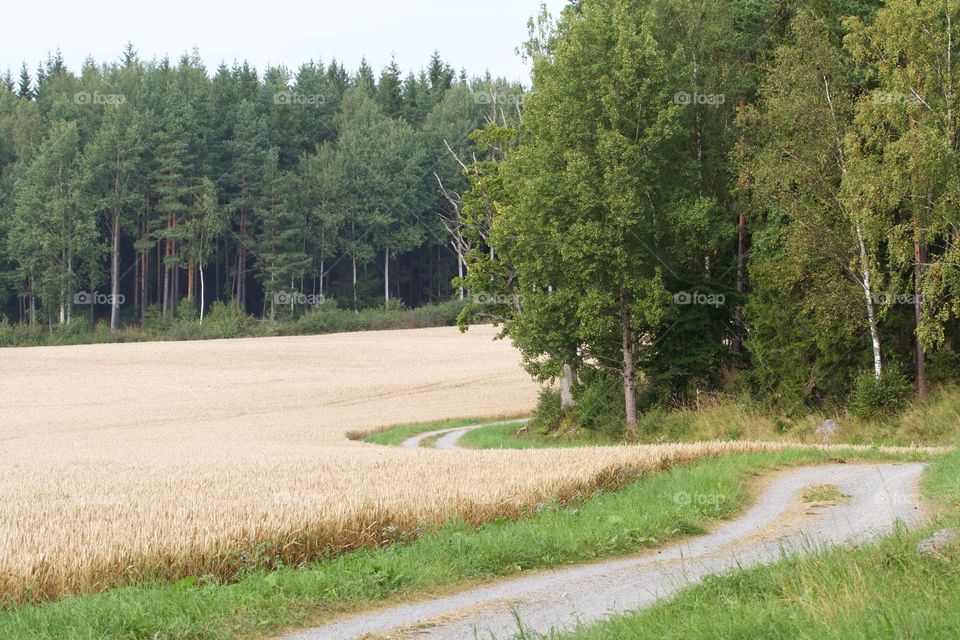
(173, 459)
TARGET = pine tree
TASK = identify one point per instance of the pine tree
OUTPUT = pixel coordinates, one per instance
(110, 166)
(24, 88)
(244, 182)
(281, 258)
(389, 96)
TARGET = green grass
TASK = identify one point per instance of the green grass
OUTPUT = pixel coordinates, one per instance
(825, 494)
(641, 515)
(881, 590)
(504, 436)
(396, 435)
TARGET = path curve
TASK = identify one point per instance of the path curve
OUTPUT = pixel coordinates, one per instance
(450, 437)
(880, 495)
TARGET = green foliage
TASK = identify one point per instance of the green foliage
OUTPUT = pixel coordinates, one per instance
(227, 320)
(874, 398)
(599, 403)
(944, 367)
(548, 415)
(255, 182)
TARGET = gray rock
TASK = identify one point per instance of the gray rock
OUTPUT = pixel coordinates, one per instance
(940, 541)
(826, 430)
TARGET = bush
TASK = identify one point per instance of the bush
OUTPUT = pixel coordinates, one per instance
(600, 404)
(21, 335)
(154, 322)
(226, 321)
(872, 398)
(548, 415)
(943, 367)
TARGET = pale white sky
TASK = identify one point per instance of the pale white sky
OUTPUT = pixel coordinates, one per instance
(477, 35)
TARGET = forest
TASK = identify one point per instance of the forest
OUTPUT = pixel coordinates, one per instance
(745, 195)
(749, 196)
(144, 189)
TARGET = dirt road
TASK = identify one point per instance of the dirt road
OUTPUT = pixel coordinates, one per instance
(450, 438)
(879, 495)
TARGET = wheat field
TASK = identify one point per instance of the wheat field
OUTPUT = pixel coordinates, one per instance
(128, 461)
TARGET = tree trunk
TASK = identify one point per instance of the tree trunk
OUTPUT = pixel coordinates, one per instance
(322, 260)
(460, 271)
(115, 274)
(868, 295)
(386, 278)
(567, 380)
(33, 304)
(167, 253)
(190, 279)
(353, 260)
(200, 269)
(629, 375)
(159, 275)
(920, 258)
(741, 280)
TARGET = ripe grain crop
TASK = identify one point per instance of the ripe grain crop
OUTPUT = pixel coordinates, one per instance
(125, 462)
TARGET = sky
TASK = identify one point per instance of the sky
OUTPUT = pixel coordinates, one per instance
(478, 36)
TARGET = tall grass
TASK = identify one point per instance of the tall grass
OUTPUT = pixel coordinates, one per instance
(927, 421)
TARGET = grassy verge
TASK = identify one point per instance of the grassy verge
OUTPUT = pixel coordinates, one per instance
(641, 515)
(929, 421)
(396, 435)
(882, 590)
(504, 436)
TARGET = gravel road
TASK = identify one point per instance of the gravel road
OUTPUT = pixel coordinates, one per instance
(879, 495)
(449, 437)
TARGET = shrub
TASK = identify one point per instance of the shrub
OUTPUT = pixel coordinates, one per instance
(226, 321)
(944, 367)
(600, 404)
(872, 398)
(548, 415)
(154, 322)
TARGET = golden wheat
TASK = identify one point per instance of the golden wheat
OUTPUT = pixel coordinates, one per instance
(173, 459)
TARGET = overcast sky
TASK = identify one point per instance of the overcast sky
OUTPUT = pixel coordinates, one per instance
(475, 35)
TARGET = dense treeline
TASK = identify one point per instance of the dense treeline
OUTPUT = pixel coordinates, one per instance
(143, 189)
(756, 195)
(752, 195)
